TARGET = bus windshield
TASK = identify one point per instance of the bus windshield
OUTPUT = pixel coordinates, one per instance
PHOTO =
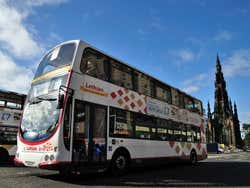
(58, 57)
(40, 115)
(39, 119)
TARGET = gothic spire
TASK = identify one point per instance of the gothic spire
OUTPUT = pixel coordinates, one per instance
(231, 108)
(235, 111)
(209, 111)
(236, 122)
(218, 65)
(221, 106)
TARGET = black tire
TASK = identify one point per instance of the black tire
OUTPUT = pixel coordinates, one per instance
(4, 156)
(66, 172)
(193, 157)
(120, 164)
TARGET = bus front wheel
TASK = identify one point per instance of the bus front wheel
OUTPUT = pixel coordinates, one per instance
(193, 157)
(119, 164)
(4, 155)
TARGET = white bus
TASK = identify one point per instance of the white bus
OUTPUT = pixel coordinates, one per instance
(11, 105)
(88, 110)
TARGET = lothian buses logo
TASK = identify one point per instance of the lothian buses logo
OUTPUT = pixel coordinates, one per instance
(46, 147)
(92, 88)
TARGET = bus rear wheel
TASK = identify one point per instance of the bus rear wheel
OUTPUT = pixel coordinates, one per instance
(119, 164)
(193, 157)
(4, 155)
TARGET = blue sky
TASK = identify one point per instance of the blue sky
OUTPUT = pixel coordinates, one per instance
(175, 41)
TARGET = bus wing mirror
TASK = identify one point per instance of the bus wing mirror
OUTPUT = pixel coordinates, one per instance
(61, 95)
(60, 101)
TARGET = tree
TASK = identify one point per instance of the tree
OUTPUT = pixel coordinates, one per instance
(246, 129)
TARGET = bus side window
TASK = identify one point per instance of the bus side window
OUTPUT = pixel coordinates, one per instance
(197, 107)
(189, 134)
(198, 133)
(144, 84)
(92, 63)
(121, 75)
(145, 127)
(162, 131)
(121, 123)
(184, 132)
(189, 103)
(162, 92)
(175, 96)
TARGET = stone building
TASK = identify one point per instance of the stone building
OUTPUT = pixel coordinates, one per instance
(223, 124)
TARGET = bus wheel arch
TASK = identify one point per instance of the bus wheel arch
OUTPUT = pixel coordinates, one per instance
(120, 161)
(193, 157)
(4, 155)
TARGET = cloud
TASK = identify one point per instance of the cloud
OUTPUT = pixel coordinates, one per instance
(191, 89)
(13, 77)
(20, 41)
(245, 117)
(44, 2)
(238, 64)
(197, 82)
(223, 36)
(183, 55)
(197, 78)
(14, 35)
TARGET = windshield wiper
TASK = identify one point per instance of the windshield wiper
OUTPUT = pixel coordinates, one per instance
(35, 101)
(46, 99)
(40, 99)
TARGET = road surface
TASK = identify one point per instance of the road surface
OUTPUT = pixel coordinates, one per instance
(217, 170)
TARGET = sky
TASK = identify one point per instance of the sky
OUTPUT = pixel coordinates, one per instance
(174, 41)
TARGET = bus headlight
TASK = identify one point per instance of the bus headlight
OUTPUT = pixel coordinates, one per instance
(46, 158)
(51, 157)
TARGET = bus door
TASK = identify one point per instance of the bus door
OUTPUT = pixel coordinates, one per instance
(89, 133)
(80, 132)
(97, 134)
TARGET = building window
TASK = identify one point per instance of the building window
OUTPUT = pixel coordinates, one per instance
(14, 105)
(2, 103)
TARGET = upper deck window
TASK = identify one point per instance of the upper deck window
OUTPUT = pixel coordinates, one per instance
(93, 64)
(144, 84)
(189, 103)
(163, 93)
(175, 97)
(121, 75)
(197, 106)
(58, 57)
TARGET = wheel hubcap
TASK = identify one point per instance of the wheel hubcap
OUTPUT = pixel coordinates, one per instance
(193, 158)
(120, 162)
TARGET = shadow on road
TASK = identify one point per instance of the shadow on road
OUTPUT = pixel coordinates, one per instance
(203, 175)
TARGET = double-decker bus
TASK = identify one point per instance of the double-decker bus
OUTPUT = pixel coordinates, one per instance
(11, 106)
(88, 110)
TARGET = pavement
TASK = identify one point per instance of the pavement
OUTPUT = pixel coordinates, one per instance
(219, 170)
